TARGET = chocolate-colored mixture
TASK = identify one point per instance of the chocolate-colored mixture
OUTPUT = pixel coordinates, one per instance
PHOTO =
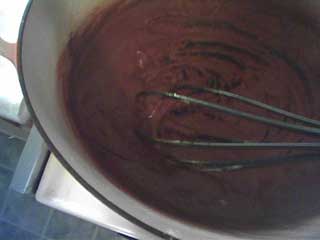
(252, 48)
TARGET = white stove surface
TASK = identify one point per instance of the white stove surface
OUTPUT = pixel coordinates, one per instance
(59, 190)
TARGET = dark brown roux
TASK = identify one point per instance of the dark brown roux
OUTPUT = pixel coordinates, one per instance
(253, 49)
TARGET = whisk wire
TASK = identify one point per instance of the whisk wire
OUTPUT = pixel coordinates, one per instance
(276, 123)
(255, 103)
(306, 126)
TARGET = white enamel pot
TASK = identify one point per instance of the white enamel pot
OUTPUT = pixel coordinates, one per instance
(45, 30)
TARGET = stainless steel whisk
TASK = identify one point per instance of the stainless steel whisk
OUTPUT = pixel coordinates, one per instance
(305, 126)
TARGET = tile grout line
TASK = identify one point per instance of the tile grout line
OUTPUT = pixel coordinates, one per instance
(46, 224)
(2, 210)
(5, 203)
(95, 233)
(19, 227)
(4, 167)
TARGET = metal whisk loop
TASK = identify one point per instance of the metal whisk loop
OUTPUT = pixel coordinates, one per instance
(245, 144)
(305, 126)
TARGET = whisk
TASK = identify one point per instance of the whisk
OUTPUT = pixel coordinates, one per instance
(303, 125)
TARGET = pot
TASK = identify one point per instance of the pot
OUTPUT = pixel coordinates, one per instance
(45, 31)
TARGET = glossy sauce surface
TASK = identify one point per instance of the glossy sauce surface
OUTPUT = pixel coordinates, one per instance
(255, 49)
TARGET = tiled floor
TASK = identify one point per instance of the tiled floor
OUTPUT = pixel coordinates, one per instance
(22, 218)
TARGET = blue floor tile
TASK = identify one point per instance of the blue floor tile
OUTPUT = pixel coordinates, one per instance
(3, 193)
(25, 219)
(25, 212)
(5, 179)
(10, 151)
(10, 232)
(105, 234)
(66, 227)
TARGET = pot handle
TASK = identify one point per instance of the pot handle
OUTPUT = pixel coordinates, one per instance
(9, 51)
